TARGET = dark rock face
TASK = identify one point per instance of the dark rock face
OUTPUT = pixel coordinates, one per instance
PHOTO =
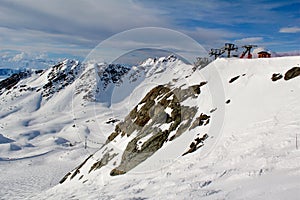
(145, 121)
(276, 77)
(60, 76)
(65, 178)
(77, 171)
(198, 143)
(104, 160)
(234, 79)
(159, 117)
(13, 80)
(292, 73)
(112, 73)
(116, 172)
(112, 121)
(203, 119)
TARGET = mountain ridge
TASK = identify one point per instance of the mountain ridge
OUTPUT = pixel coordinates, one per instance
(257, 110)
(163, 123)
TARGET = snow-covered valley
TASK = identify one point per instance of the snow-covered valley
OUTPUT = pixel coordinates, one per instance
(159, 130)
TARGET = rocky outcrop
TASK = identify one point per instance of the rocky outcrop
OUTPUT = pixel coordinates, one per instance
(158, 114)
(112, 73)
(60, 76)
(292, 73)
(234, 79)
(276, 77)
(10, 82)
(163, 115)
(202, 120)
(196, 144)
(103, 161)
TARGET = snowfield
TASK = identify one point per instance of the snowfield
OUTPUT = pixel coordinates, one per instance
(251, 118)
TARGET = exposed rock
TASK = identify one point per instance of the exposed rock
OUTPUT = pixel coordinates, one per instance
(292, 73)
(116, 172)
(158, 114)
(276, 77)
(112, 121)
(212, 110)
(203, 119)
(152, 108)
(39, 71)
(234, 79)
(112, 73)
(132, 157)
(65, 178)
(203, 83)
(10, 82)
(198, 143)
(60, 76)
(104, 160)
(77, 170)
(201, 62)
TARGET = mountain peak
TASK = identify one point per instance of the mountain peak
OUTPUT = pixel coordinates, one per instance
(159, 60)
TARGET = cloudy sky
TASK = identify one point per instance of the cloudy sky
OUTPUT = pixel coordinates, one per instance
(74, 27)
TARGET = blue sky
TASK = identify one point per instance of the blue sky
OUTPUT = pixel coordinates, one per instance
(74, 27)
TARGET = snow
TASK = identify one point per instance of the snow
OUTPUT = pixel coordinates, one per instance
(252, 156)
(121, 142)
(140, 106)
(141, 141)
(168, 110)
(165, 126)
(170, 98)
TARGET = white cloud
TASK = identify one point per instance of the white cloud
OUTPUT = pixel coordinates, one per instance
(211, 37)
(161, 39)
(78, 26)
(71, 22)
(290, 30)
(249, 40)
(18, 57)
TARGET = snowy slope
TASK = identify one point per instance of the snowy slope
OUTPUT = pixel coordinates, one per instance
(252, 156)
(255, 157)
(63, 109)
(170, 109)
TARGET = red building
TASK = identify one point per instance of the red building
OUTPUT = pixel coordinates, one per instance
(264, 54)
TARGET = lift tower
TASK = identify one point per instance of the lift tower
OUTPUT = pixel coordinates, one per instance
(230, 47)
(247, 50)
(216, 52)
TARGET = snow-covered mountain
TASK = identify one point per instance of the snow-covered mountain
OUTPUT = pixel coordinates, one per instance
(44, 106)
(8, 72)
(159, 130)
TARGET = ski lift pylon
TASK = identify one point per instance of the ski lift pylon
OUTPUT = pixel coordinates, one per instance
(247, 50)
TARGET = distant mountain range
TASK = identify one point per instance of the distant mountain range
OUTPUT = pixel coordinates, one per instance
(14, 59)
